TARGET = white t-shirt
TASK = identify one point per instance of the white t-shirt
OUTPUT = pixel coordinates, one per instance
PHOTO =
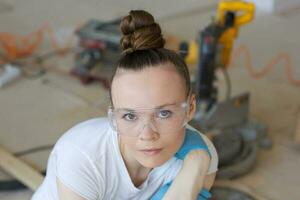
(88, 161)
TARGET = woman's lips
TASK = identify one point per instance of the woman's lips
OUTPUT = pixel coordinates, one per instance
(150, 152)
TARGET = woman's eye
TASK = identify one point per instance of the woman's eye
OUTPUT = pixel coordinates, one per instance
(164, 114)
(129, 116)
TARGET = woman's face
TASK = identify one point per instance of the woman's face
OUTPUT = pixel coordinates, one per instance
(150, 88)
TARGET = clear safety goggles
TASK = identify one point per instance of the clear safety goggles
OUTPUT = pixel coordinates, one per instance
(166, 119)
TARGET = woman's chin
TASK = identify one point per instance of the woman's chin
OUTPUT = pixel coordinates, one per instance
(151, 162)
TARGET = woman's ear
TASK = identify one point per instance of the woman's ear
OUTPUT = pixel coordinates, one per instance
(192, 107)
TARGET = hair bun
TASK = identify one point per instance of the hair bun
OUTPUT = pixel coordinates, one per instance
(140, 32)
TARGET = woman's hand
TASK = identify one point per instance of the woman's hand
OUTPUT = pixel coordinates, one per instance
(192, 177)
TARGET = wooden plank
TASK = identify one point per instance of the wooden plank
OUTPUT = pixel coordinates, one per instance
(20, 170)
(241, 187)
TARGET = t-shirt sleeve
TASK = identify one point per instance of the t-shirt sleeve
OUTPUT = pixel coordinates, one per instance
(77, 172)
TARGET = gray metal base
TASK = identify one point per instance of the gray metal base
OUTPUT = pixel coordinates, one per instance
(236, 137)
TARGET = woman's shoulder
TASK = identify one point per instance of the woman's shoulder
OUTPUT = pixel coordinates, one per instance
(78, 158)
(89, 136)
(203, 136)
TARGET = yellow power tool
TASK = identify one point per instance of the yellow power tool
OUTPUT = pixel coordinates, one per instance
(230, 15)
(214, 46)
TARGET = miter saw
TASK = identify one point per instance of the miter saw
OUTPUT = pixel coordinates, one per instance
(98, 42)
(235, 135)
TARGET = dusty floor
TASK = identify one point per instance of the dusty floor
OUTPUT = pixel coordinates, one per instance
(36, 112)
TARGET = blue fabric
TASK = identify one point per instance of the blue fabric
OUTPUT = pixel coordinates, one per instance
(192, 141)
(204, 194)
(161, 192)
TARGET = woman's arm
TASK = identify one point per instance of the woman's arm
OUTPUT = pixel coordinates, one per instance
(192, 177)
(64, 193)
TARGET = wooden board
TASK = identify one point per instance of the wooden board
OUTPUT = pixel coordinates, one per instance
(20, 170)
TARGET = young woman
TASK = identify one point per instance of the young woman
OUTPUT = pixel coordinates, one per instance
(131, 154)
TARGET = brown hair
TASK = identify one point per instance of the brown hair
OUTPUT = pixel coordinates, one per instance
(143, 46)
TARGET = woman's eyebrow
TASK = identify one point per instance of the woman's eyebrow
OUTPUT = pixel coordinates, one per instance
(126, 109)
(164, 105)
(139, 108)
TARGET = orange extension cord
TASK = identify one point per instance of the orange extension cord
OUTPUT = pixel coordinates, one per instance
(16, 47)
(282, 57)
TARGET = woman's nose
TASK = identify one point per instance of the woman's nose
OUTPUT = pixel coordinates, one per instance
(148, 132)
